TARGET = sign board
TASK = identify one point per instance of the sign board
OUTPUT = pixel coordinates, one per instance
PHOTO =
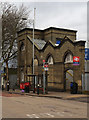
(46, 66)
(75, 60)
(58, 42)
(86, 53)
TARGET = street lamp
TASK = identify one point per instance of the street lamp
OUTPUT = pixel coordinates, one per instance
(33, 37)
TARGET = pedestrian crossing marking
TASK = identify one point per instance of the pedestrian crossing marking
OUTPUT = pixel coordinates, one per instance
(50, 114)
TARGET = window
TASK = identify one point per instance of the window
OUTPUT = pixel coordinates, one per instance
(35, 62)
(69, 58)
(22, 47)
(50, 60)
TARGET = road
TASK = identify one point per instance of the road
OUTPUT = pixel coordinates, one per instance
(22, 106)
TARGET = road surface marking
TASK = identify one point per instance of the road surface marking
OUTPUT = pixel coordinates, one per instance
(49, 115)
(32, 116)
(35, 115)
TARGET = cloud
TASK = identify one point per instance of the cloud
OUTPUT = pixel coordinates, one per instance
(64, 15)
(69, 15)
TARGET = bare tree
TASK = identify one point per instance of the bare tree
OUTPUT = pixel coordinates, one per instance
(11, 23)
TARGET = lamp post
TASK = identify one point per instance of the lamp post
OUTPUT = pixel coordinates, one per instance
(33, 21)
(33, 38)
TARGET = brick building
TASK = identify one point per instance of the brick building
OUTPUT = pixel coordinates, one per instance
(59, 56)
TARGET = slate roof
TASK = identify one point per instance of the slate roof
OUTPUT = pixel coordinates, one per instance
(40, 43)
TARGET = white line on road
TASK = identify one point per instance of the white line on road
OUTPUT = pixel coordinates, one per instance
(35, 115)
(49, 115)
(29, 116)
(32, 116)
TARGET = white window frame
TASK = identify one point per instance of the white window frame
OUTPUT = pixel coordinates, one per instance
(69, 58)
(50, 60)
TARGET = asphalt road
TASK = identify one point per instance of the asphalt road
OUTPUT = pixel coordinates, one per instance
(41, 107)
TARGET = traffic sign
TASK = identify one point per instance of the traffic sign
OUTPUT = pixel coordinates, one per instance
(46, 68)
(46, 65)
(86, 53)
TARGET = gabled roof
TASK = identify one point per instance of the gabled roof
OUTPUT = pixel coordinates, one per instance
(38, 43)
(41, 44)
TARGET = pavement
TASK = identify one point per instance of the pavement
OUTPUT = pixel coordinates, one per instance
(57, 95)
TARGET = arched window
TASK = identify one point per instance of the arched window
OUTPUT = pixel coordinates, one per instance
(35, 62)
(50, 60)
(69, 58)
(22, 47)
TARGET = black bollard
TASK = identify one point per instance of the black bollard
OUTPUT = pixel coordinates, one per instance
(8, 86)
(38, 89)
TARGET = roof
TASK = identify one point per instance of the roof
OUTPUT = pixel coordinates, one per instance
(38, 43)
(42, 30)
(64, 29)
(41, 44)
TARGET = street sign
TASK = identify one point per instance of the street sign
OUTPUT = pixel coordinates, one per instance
(86, 53)
(46, 66)
(58, 42)
(75, 60)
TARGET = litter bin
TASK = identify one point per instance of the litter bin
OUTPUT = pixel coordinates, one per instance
(26, 88)
(38, 89)
(73, 88)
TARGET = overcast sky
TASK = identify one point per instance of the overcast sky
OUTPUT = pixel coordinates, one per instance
(68, 15)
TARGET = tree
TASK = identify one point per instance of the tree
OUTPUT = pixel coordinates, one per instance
(11, 23)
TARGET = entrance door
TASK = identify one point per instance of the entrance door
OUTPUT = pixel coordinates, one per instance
(69, 78)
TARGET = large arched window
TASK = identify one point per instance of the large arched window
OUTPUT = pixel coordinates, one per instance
(69, 58)
(50, 60)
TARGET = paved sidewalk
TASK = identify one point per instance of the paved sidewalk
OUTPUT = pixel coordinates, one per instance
(59, 95)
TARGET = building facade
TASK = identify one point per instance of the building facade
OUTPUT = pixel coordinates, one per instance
(57, 47)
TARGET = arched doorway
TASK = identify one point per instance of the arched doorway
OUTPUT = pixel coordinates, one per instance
(69, 78)
(68, 70)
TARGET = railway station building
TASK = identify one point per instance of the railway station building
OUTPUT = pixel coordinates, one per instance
(57, 46)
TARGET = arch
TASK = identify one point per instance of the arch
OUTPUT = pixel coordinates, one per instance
(68, 57)
(22, 46)
(68, 78)
(50, 59)
(36, 60)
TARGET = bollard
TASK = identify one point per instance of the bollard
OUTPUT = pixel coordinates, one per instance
(38, 89)
(8, 86)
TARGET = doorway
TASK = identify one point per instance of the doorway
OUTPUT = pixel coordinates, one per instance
(68, 79)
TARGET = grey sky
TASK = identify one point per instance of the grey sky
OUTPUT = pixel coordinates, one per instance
(68, 15)
(63, 15)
